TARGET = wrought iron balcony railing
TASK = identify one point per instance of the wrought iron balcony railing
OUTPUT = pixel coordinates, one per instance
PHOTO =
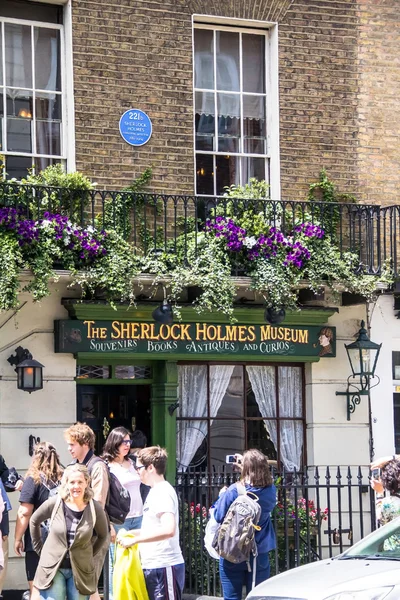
(168, 223)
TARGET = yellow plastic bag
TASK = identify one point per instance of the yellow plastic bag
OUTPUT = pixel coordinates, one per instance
(128, 578)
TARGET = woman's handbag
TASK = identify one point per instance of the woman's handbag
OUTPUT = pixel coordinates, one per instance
(128, 578)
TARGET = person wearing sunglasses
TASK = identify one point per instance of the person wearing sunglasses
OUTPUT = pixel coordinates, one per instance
(115, 454)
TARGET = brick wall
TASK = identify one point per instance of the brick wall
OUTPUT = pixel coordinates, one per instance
(378, 101)
(139, 54)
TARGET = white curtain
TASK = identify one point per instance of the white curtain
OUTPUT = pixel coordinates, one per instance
(262, 381)
(192, 394)
(290, 405)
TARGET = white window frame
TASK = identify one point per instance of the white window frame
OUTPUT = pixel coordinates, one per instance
(67, 132)
(270, 30)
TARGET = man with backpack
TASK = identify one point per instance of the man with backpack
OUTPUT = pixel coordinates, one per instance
(246, 534)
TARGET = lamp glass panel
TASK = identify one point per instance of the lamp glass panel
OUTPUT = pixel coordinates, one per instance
(355, 360)
(373, 357)
(38, 378)
(29, 377)
(19, 378)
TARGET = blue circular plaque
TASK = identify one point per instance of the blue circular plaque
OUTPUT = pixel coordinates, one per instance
(135, 127)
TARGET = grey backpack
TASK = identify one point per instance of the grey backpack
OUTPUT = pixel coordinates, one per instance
(235, 539)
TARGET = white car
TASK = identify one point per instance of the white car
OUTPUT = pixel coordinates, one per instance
(369, 570)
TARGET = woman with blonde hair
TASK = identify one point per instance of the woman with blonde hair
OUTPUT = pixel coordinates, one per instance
(42, 480)
(78, 535)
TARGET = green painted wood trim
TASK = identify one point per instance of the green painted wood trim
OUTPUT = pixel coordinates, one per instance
(113, 360)
(105, 358)
(142, 312)
(164, 391)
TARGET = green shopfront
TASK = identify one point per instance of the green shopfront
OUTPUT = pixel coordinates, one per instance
(203, 388)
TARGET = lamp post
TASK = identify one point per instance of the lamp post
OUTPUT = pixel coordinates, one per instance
(363, 357)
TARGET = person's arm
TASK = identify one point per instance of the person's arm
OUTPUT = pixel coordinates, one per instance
(5, 525)
(164, 532)
(23, 515)
(270, 498)
(41, 514)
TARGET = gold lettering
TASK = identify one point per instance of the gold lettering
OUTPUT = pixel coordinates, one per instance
(242, 333)
(103, 333)
(274, 333)
(175, 336)
(185, 335)
(303, 336)
(165, 332)
(295, 335)
(89, 328)
(265, 332)
(252, 333)
(211, 333)
(201, 331)
(144, 331)
(153, 335)
(288, 334)
(220, 337)
(281, 333)
(124, 330)
(231, 333)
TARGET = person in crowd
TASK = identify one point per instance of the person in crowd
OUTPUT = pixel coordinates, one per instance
(41, 480)
(115, 454)
(257, 479)
(4, 532)
(11, 479)
(388, 507)
(81, 441)
(138, 442)
(78, 532)
(158, 538)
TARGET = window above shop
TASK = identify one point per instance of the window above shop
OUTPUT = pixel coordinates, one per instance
(32, 87)
(123, 372)
(236, 115)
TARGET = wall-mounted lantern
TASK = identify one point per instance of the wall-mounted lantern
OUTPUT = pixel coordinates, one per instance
(363, 357)
(29, 371)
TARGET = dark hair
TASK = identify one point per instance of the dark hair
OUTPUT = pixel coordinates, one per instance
(154, 455)
(45, 463)
(256, 469)
(390, 477)
(113, 442)
(138, 439)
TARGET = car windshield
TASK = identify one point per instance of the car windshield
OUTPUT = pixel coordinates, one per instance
(382, 543)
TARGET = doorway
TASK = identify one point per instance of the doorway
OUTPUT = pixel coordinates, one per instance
(102, 406)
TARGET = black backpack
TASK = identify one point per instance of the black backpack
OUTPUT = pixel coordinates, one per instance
(118, 500)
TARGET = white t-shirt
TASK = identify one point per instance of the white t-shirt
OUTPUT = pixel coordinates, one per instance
(130, 479)
(161, 499)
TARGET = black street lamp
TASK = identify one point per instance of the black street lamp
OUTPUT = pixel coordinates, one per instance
(363, 357)
(29, 371)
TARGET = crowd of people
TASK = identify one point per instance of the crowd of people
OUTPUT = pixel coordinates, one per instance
(65, 526)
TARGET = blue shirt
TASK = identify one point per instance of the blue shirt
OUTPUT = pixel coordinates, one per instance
(5, 497)
(265, 538)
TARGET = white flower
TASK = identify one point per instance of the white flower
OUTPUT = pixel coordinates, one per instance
(249, 242)
(46, 223)
(67, 240)
(90, 229)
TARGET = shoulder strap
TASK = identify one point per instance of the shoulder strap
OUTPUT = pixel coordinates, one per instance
(93, 511)
(241, 488)
(55, 509)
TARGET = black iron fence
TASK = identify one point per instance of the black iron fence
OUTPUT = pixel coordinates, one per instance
(172, 224)
(319, 513)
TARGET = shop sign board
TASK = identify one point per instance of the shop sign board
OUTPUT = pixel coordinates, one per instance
(197, 339)
(135, 127)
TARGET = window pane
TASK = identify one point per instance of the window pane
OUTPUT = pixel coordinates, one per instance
(227, 172)
(228, 122)
(205, 121)
(253, 167)
(290, 391)
(1, 58)
(191, 443)
(203, 59)
(19, 104)
(48, 137)
(18, 166)
(253, 49)
(232, 402)
(132, 372)
(48, 106)
(254, 124)
(41, 163)
(47, 59)
(226, 437)
(258, 436)
(204, 174)
(92, 372)
(19, 135)
(291, 446)
(227, 49)
(18, 55)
